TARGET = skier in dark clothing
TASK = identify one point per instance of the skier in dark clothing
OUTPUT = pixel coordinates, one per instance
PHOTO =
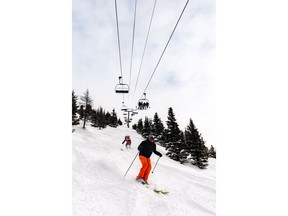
(145, 151)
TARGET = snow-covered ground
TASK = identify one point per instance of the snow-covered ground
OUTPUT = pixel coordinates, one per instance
(99, 186)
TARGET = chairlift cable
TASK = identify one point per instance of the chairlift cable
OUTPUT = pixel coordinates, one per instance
(166, 45)
(133, 41)
(133, 36)
(119, 49)
(144, 48)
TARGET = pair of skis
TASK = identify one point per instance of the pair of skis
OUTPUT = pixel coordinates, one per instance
(159, 191)
(155, 189)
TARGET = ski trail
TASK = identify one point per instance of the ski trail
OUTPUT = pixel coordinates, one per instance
(99, 186)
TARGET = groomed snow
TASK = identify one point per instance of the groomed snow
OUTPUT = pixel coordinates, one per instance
(99, 186)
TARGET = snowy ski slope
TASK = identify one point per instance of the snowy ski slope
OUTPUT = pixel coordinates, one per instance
(99, 186)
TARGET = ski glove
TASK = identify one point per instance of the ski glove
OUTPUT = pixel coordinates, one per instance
(160, 155)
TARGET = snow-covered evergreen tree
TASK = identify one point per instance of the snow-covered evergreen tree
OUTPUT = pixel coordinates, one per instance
(184, 150)
(146, 128)
(158, 129)
(196, 145)
(88, 112)
(101, 123)
(203, 162)
(212, 152)
(87, 105)
(94, 118)
(120, 122)
(134, 127)
(140, 126)
(75, 119)
(164, 137)
(173, 137)
(113, 119)
(99, 118)
(107, 118)
(81, 112)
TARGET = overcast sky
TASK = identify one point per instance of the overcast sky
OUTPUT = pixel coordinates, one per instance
(185, 77)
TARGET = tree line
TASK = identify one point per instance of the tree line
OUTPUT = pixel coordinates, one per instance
(185, 147)
(85, 112)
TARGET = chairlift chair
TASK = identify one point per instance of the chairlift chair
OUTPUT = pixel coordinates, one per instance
(121, 87)
(143, 103)
(124, 107)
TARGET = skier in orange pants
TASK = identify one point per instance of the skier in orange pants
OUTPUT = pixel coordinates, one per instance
(145, 151)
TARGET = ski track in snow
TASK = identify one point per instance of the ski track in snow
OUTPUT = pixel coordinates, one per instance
(99, 186)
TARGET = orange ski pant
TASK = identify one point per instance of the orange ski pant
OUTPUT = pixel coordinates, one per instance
(146, 168)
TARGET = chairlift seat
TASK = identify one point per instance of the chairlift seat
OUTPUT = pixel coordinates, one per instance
(122, 88)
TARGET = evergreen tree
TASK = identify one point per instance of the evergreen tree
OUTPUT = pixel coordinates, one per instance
(198, 150)
(94, 118)
(134, 126)
(158, 129)
(140, 126)
(75, 119)
(212, 152)
(81, 112)
(164, 138)
(107, 118)
(146, 128)
(113, 119)
(87, 103)
(192, 138)
(204, 154)
(120, 122)
(184, 152)
(88, 112)
(173, 137)
(101, 120)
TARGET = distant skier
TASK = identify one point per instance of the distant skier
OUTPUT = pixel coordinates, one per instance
(128, 141)
(145, 151)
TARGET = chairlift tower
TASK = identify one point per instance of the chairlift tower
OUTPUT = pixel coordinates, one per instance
(128, 116)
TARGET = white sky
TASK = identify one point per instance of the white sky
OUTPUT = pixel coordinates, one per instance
(185, 77)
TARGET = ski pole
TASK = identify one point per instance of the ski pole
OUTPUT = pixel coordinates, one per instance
(156, 164)
(131, 164)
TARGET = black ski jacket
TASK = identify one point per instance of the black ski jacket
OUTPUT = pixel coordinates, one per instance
(146, 148)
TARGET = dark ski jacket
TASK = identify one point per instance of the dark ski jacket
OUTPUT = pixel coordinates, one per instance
(146, 148)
